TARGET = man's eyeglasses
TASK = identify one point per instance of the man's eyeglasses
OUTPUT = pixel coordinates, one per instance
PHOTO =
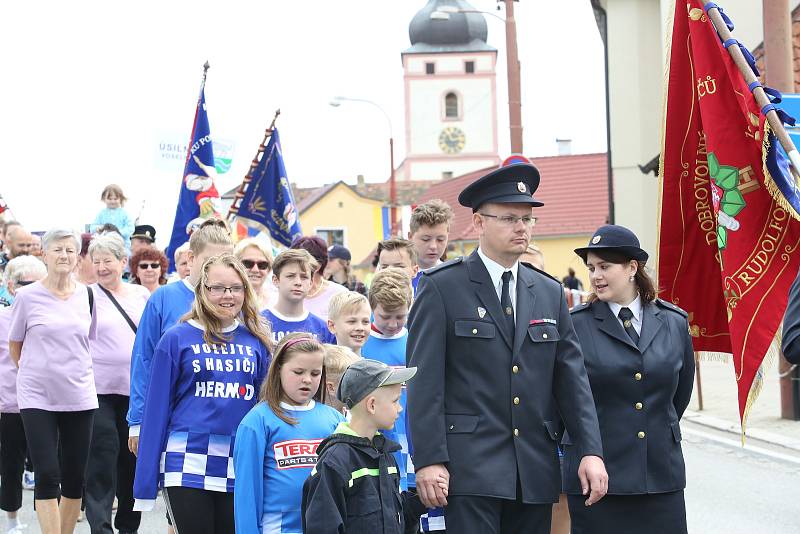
(149, 265)
(262, 265)
(511, 220)
(218, 291)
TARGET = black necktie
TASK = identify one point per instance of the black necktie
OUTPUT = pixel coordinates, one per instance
(505, 302)
(626, 315)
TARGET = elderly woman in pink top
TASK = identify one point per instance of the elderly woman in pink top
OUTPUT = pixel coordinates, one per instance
(51, 323)
(111, 465)
(20, 272)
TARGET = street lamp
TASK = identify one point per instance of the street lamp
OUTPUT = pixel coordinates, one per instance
(512, 66)
(336, 102)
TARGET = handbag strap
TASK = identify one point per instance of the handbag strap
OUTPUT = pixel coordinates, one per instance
(119, 308)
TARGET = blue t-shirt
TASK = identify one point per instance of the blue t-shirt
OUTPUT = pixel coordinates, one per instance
(197, 397)
(392, 352)
(272, 460)
(308, 322)
(163, 310)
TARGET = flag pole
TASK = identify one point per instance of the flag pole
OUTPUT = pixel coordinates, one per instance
(237, 198)
(761, 97)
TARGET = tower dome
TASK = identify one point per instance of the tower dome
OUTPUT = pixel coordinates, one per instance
(448, 30)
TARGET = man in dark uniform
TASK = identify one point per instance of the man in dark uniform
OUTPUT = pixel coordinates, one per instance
(499, 367)
(791, 324)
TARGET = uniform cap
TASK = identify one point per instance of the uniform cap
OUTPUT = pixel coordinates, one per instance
(144, 231)
(614, 238)
(512, 184)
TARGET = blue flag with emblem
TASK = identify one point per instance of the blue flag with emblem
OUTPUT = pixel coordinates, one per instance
(268, 201)
(199, 198)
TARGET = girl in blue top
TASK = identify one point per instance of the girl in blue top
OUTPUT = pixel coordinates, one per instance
(276, 444)
(207, 371)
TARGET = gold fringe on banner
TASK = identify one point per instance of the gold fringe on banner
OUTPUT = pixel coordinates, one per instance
(772, 355)
(769, 181)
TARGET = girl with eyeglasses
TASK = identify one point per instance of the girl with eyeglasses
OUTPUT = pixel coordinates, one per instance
(257, 261)
(149, 268)
(206, 374)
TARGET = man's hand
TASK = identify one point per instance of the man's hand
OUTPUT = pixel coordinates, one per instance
(593, 476)
(433, 482)
(133, 445)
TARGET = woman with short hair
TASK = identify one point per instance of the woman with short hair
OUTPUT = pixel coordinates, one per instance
(52, 321)
(257, 260)
(111, 465)
(20, 272)
(149, 268)
(638, 355)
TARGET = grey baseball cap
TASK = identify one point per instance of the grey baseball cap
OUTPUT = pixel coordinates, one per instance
(365, 376)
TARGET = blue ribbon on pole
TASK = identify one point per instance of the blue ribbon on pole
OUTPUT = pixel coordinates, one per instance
(745, 52)
(726, 18)
(782, 115)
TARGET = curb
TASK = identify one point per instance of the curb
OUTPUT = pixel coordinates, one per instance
(734, 428)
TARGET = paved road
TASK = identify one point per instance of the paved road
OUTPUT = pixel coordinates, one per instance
(755, 490)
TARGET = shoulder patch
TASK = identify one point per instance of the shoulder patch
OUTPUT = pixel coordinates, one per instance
(445, 265)
(548, 275)
(670, 306)
(580, 307)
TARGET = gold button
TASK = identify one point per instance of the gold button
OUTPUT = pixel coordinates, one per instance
(544, 336)
(638, 376)
(641, 435)
(516, 432)
(509, 311)
(474, 330)
(515, 369)
(516, 400)
(452, 427)
(638, 405)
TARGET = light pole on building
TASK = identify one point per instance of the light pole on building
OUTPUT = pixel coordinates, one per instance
(513, 67)
(336, 102)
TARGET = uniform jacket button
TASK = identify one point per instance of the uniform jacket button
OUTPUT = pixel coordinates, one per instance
(641, 435)
(638, 376)
(474, 330)
(515, 369)
(516, 432)
(638, 405)
(516, 400)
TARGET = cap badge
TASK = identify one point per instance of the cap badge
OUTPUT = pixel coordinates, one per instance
(596, 239)
(521, 187)
(481, 312)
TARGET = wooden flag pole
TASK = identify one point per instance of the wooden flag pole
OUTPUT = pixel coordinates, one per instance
(699, 381)
(761, 97)
(237, 199)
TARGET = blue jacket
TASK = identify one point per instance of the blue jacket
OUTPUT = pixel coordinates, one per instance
(163, 310)
(791, 324)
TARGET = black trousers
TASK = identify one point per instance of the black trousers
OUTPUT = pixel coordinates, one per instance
(12, 461)
(56, 473)
(488, 515)
(111, 469)
(197, 511)
(656, 513)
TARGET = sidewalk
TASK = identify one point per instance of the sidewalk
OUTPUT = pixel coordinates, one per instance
(721, 408)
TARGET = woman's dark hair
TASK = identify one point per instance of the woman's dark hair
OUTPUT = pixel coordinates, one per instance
(316, 247)
(647, 289)
(149, 254)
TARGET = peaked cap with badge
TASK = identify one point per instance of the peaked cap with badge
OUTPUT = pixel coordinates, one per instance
(144, 231)
(514, 183)
(614, 238)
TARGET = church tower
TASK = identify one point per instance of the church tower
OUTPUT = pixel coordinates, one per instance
(450, 93)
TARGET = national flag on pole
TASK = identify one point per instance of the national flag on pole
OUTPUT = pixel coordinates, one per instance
(3, 205)
(268, 201)
(728, 237)
(199, 198)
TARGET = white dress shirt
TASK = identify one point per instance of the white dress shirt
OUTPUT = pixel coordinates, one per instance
(635, 307)
(496, 274)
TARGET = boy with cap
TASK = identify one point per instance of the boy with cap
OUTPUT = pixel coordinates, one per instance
(354, 486)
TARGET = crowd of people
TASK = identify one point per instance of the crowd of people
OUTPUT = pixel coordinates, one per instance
(264, 393)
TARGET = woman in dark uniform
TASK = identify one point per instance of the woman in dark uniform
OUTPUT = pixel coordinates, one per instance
(638, 355)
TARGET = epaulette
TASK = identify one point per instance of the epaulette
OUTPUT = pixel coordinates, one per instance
(670, 306)
(548, 275)
(580, 307)
(445, 265)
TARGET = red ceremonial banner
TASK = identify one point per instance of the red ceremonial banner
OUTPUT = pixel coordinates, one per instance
(728, 248)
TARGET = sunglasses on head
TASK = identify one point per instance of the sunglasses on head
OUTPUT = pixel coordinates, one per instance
(23, 283)
(262, 265)
(149, 265)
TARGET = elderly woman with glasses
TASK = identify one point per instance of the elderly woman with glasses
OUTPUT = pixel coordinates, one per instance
(149, 268)
(52, 321)
(20, 272)
(111, 465)
(257, 261)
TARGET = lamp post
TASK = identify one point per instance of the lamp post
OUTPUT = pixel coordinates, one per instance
(336, 102)
(513, 66)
